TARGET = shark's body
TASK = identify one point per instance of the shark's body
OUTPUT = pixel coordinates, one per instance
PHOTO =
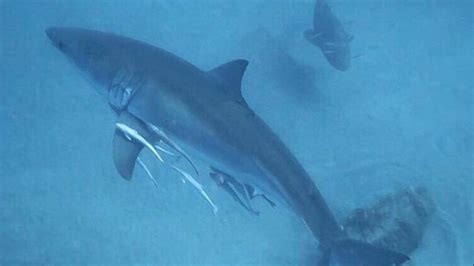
(150, 88)
(330, 36)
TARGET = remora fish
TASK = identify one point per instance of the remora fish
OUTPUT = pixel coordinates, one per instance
(329, 35)
(150, 89)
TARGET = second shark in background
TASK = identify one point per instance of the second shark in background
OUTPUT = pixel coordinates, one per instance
(330, 36)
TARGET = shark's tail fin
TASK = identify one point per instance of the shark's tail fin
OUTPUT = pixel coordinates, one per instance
(353, 252)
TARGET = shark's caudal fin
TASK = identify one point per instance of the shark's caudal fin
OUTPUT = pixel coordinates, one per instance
(353, 252)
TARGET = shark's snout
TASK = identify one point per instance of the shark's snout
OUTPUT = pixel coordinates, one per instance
(51, 33)
(88, 50)
(54, 34)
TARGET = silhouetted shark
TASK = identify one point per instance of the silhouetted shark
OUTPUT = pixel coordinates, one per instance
(161, 98)
(329, 35)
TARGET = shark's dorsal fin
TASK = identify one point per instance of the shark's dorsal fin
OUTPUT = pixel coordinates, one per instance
(125, 150)
(230, 74)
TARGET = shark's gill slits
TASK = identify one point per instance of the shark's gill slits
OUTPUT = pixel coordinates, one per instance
(123, 87)
(334, 45)
(313, 35)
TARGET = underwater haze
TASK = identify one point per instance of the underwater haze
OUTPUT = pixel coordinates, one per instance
(402, 116)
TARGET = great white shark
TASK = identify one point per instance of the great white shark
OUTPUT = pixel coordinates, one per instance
(330, 36)
(164, 103)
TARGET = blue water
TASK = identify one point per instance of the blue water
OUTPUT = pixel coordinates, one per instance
(401, 116)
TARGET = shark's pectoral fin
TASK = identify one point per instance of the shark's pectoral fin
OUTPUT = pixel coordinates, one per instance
(125, 149)
(125, 154)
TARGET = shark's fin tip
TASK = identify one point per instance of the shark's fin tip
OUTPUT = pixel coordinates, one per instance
(230, 74)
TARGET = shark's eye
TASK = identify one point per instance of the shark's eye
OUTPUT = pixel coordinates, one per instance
(61, 45)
